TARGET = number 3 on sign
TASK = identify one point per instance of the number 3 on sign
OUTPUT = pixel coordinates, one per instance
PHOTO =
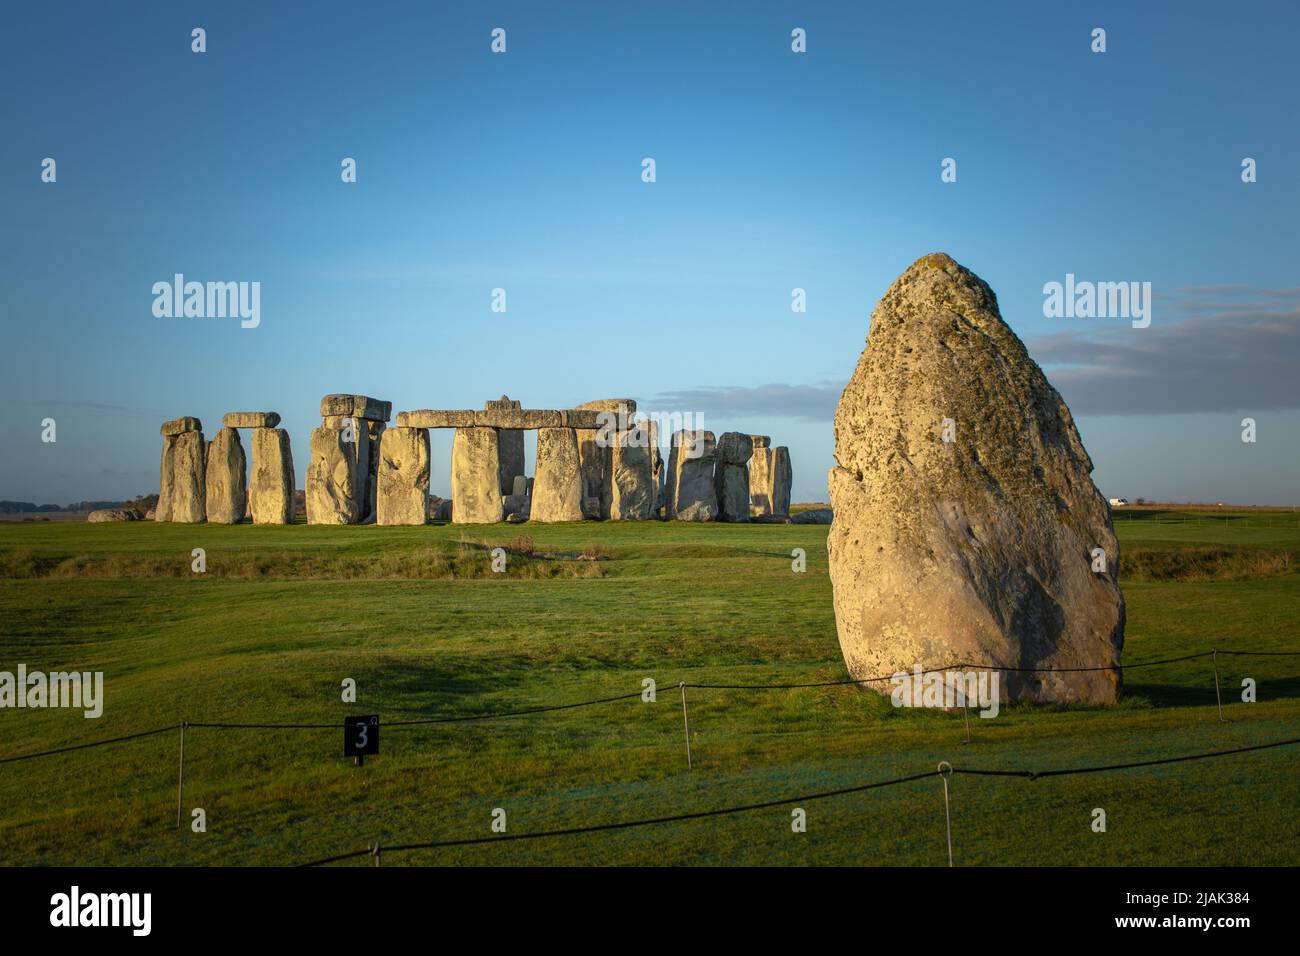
(361, 736)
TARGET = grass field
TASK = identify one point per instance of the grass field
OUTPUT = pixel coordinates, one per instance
(283, 614)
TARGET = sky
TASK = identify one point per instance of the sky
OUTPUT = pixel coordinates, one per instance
(522, 171)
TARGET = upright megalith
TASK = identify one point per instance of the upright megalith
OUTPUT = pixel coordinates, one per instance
(770, 477)
(557, 484)
(476, 477)
(271, 489)
(226, 494)
(510, 445)
(634, 492)
(402, 495)
(731, 476)
(358, 420)
(596, 452)
(337, 472)
(189, 478)
(966, 525)
(182, 473)
(691, 459)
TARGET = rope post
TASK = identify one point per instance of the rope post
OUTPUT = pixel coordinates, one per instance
(686, 724)
(965, 712)
(1214, 658)
(947, 813)
(374, 851)
(180, 777)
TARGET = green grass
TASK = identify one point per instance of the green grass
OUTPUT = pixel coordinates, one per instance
(416, 616)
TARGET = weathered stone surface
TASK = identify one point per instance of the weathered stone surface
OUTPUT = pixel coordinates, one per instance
(250, 419)
(336, 475)
(505, 401)
(226, 494)
(403, 477)
(657, 469)
(976, 550)
(436, 418)
(731, 487)
(761, 441)
(356, 406)
(166, 480)
(770, 477)
(271, 488)
(520, 485)
(690, 476)
(735, 448)
(113, 514)
(178, 426)
(557, 482)
(475, 477)
(731, 476)
(510, 450)
(813, 516)
(189, 478)
(634, 492)
(513, 418)
(580, 418)
(518, 506)
(375, 433)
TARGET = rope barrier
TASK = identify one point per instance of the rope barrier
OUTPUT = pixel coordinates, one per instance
(93, 743)
(944, 770)
(519, 712)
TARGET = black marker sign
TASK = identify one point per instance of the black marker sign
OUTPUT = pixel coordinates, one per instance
(361, 736)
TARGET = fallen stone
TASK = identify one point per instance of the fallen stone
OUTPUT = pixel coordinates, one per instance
(980, 549)
(557, 482)
(113, 514)
(813, 516)
(226, 494)
(271, 489)
(178, 426)
(403, 477)
(519, 506)
(250, 419)
(475, 481)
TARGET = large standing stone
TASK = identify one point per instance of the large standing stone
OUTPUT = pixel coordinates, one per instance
(690, 476)
(189, 478)
(510, 445)
(403, 477)
(476, 477)
(374, 434)
(557, 484)
(731, 476)
(170, 431)
(271, 491)
(769, 479)
(634, 491)
(226, 494)
(969, 540)
(337, 473)
(596, 452)
(166, 480)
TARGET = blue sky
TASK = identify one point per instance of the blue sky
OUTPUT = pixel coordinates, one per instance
(522, 171)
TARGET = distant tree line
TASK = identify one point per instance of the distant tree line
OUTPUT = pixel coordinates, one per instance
(141, 503)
